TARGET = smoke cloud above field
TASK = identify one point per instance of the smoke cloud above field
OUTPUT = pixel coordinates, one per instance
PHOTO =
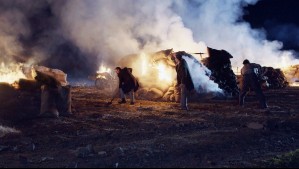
(77, 36)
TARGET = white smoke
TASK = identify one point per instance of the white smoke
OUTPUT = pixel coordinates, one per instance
(113, 29)
(201, 81)
(219, 24)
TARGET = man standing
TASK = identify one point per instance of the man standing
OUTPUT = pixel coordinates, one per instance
(184, 79)
(250, 81)
(127, 84)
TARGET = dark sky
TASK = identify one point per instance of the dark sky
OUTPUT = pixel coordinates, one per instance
(279, 18)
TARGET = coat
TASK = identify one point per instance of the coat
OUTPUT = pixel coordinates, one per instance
(183, 75)
(127, 82)
(251, 74)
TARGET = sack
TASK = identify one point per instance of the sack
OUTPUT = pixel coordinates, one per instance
(48, 104)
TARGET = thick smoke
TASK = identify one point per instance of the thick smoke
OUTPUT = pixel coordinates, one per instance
(76, 35)
(31, 33)
(200, 76)
(219, 24)
(113, 29)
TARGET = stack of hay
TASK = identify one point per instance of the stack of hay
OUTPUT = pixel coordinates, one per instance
(292, 73)
(275, 78)
(221, 70)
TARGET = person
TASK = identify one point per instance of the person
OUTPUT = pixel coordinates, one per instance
(184, 80)
(127, 84)
(251, 74)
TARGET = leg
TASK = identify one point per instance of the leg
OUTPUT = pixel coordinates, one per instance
(261, 98)
(242, 97)
(244, 90)
(183, 96)
(132, 97)
(122, 96)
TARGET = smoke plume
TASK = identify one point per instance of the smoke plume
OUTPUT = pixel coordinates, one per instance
(201, 81)
(77, 36)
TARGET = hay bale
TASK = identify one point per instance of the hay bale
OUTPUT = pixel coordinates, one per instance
(171, 89)
(17, 105)
(64, 101)
(45, 79)
(141, 93)
(29, 85)
(154, 93)
(166, 96)
(57, 74)
(173, 98)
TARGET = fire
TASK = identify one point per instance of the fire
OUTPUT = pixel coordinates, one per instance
(144, 64)
(102, 71)
(164, 73)
(296, 84)
(11, 73)
(154, 71)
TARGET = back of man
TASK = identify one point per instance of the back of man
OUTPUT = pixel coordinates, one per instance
(250, 76)
(250, 82)
(127, 84)
(184, 79)
(127, 81)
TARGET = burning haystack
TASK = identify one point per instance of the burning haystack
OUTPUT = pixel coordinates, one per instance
(292, 75)
(157, 76)
(221, 70)
(155, 73)
(40, 91)
(274, 78)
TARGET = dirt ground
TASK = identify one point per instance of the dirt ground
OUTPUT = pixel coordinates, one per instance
(214, 133)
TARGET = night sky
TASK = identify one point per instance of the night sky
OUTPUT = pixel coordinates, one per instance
(279, 18)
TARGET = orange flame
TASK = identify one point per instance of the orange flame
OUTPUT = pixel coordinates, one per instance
(296, 84)
(102, 70)
(154, 72)
(11, 73)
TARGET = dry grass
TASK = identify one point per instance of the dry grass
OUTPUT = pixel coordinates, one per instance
(7, 130)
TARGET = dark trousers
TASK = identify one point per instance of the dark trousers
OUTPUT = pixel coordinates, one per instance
(250, 83)
(184, 96)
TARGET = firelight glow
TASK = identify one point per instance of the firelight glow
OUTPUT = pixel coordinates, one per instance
(11, 73)
(103, 69)
(164, 73)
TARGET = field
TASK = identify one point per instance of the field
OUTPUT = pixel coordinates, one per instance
(214, 133)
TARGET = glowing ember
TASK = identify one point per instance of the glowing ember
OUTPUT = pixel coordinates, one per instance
(11, 73)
